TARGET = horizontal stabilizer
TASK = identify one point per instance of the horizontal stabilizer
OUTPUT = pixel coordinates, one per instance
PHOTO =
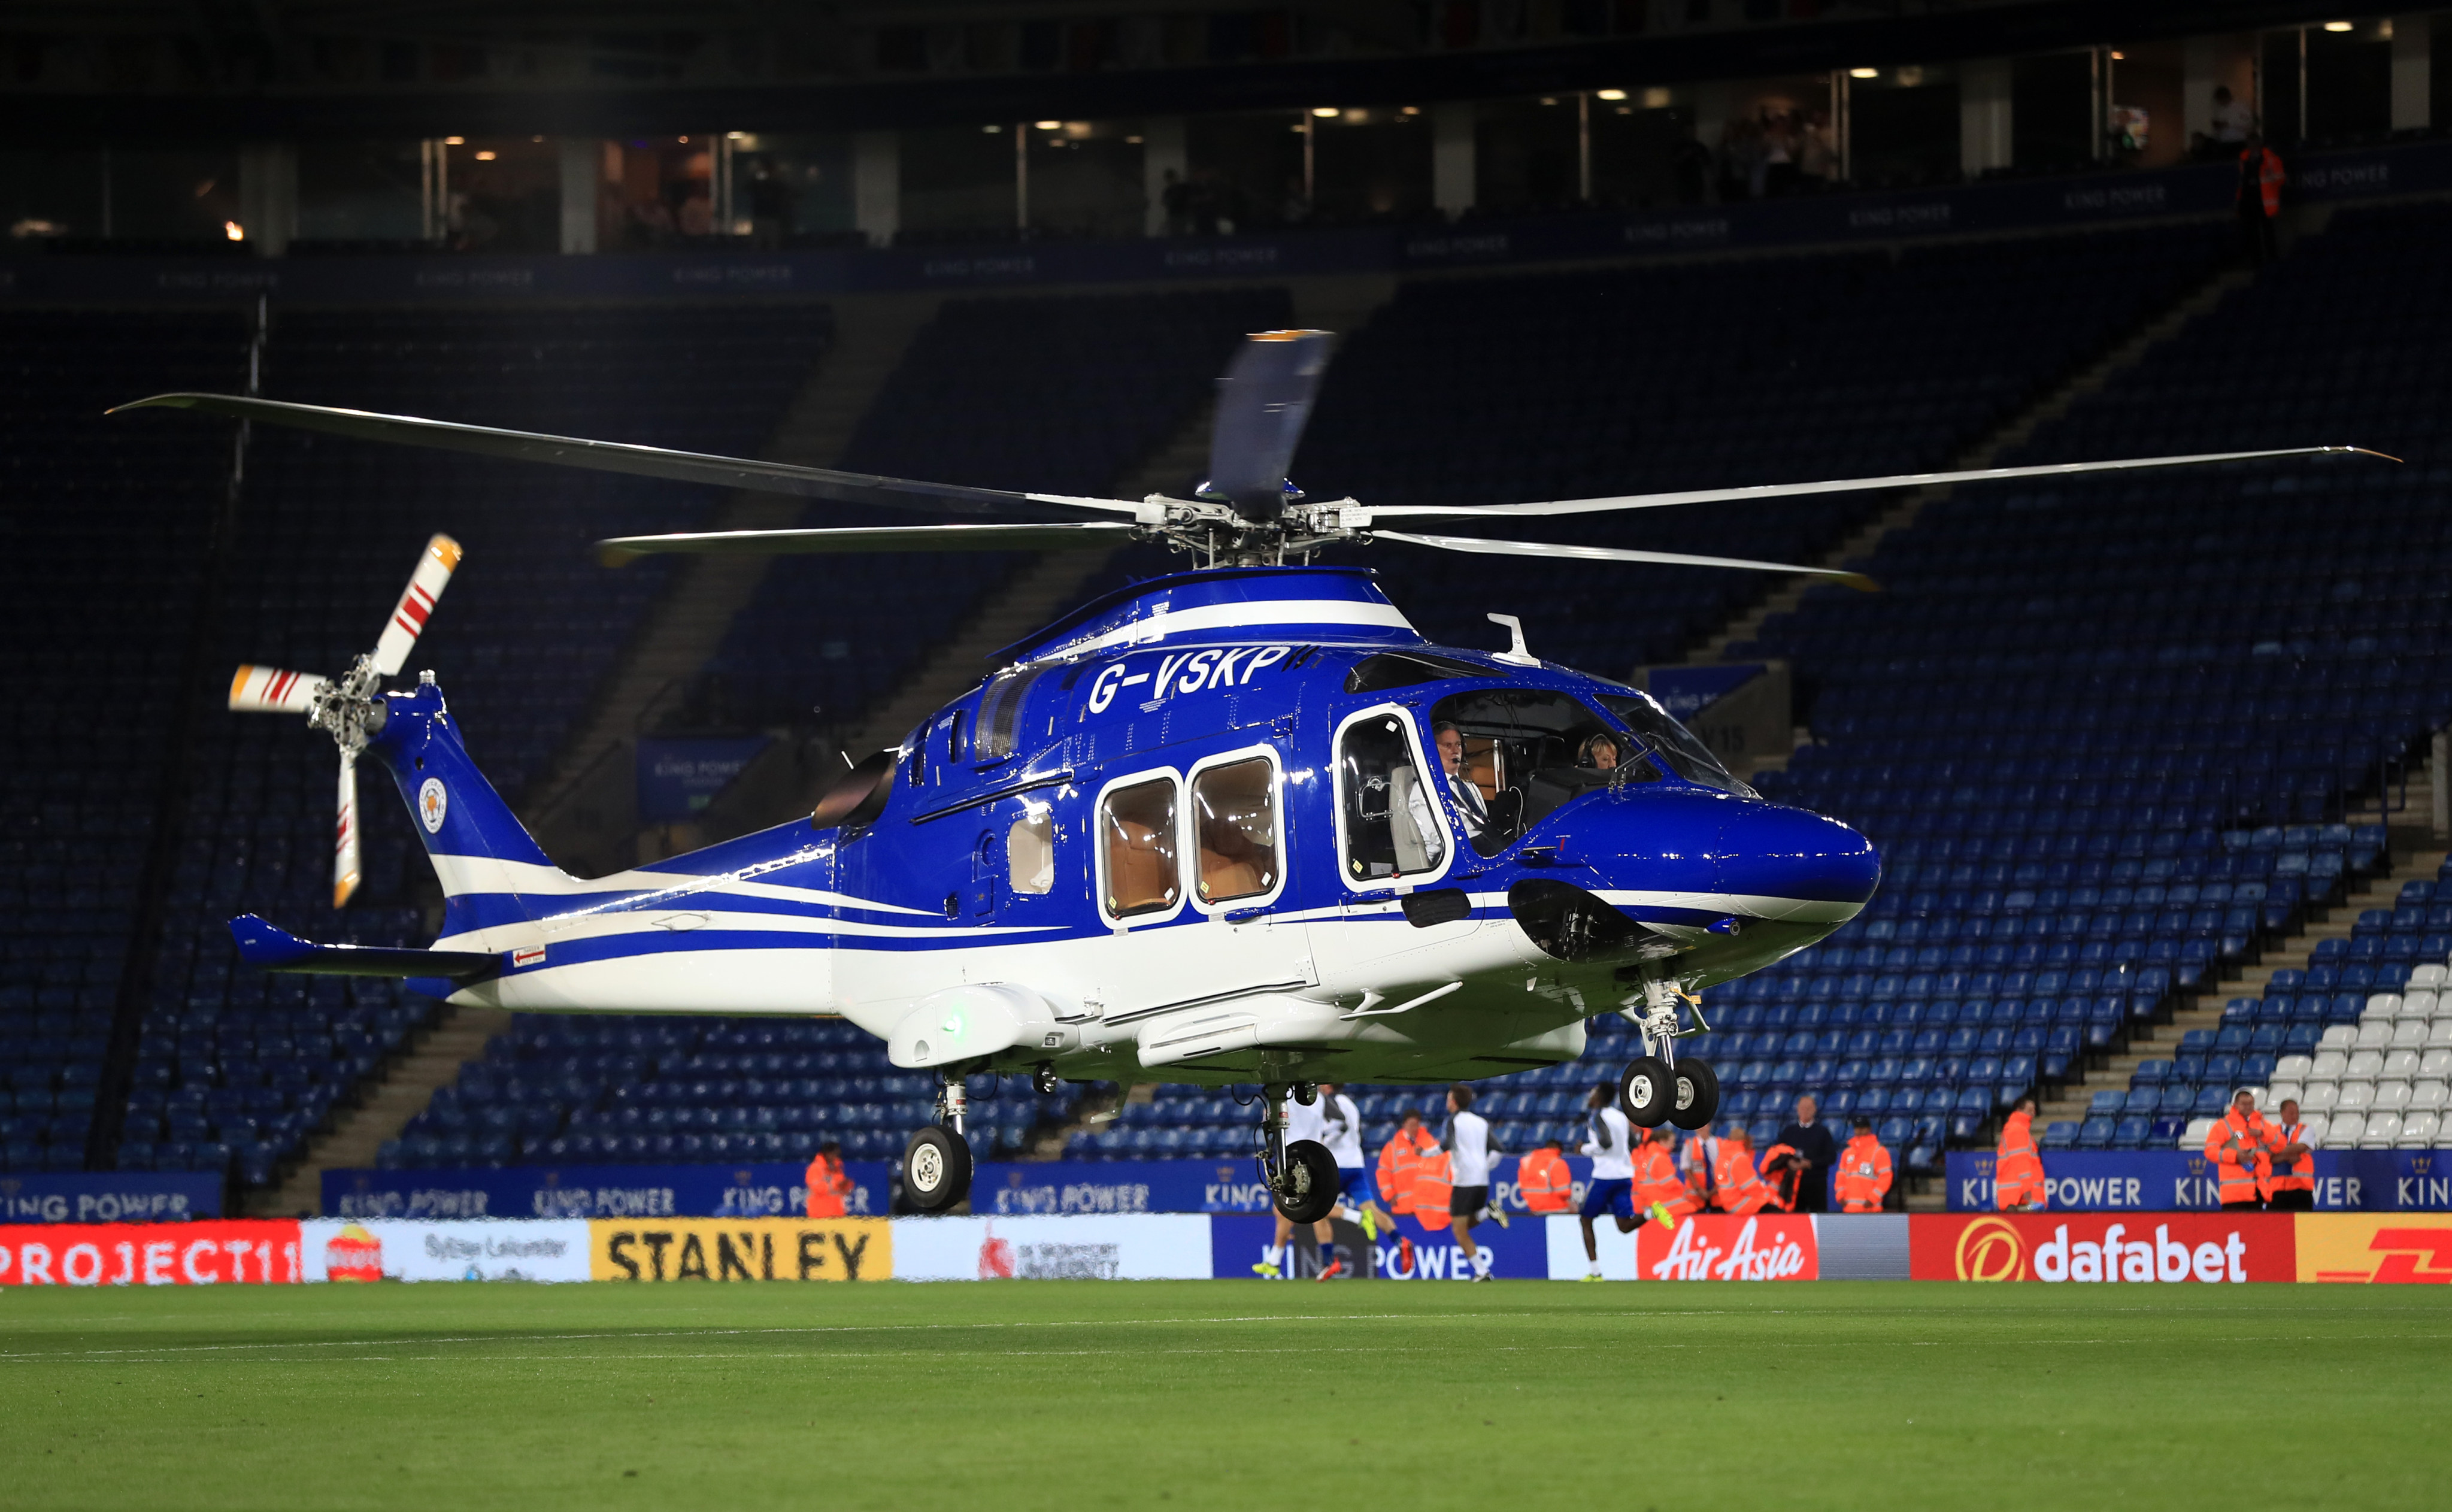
(267, 949)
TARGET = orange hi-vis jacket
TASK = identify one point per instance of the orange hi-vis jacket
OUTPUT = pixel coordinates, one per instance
(1782, 1183)
(1656, 1181)
(828, 1185)
(1545, 1183)
(2017, 1171)
(2269, 174)
(1864, 1175)
(2241, 1152)
(1397, 1160)
(1736, 1185)
(2298, 1175)
(1432, 1187)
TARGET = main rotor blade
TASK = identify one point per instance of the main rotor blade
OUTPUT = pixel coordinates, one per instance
(617, 456)
(1903, 480)
(435, 565)
(1263, 402)
(1097, 535)
(273, 690)
(1610, 553)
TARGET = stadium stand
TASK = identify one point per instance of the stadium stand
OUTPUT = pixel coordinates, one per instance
(2176, 688)
(101, 589)
(236, 1068)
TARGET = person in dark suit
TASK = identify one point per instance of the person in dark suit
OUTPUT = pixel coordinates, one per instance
(1809, 1138)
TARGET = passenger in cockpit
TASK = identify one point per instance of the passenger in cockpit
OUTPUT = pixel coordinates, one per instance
(1471, 807)
(1600, 753)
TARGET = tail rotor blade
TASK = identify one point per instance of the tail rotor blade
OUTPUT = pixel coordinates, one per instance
(344, 846)
(272, 691)
(434, 569)
(1262, 404)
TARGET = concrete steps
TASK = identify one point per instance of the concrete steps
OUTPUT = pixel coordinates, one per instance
(432, 1061)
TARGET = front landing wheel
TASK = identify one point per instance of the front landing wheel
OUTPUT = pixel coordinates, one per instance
(1306, 1188)
(1694, 1094)
(935, 1168)
(1645, 1092)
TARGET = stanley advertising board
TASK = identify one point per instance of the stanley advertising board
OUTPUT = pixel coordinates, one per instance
(730, 1249)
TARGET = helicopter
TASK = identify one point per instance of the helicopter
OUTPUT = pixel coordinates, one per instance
(1240, 824)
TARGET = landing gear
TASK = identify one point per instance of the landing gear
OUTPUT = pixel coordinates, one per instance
(1657, 1087)
(1042, 1081)
(1301, 1177)
(937, 1162)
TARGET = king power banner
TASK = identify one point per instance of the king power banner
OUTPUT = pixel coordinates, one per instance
(2182, 1180)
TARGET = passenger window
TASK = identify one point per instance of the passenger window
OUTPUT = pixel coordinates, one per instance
(1030, 852)
(1136, 825)
(1393, 827)
(1236, 809)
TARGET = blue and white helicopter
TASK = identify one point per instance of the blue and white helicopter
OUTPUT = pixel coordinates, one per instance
(1241, 823)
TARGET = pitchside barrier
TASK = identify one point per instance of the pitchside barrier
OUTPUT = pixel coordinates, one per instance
(2177, 1181)
(2173, 1248)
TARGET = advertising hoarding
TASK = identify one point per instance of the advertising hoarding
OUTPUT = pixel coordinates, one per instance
(108, 1197)
(400, 1249)
(744, 1189)
(1115, 1246)
(725, 1250)
(2364, 1248)
(207, 1253)
(2182, 1181)
(2209, 1248)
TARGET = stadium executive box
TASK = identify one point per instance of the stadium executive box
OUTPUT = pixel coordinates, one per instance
(2054, 1248)
(2175, 1180)
(1818, 219)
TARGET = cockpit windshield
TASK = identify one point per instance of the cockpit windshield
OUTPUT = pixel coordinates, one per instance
(1671, 743)
(1524, 753)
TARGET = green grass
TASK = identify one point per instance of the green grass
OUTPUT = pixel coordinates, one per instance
(1099, 1395)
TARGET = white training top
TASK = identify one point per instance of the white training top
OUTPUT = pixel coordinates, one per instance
(1305, 1122)
(1341, 1130)
(1611, 1147)
(1468, 1143)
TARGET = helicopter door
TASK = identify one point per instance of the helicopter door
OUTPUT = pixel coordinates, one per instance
(1390, 824)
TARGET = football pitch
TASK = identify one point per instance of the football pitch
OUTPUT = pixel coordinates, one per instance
(1197, 1394)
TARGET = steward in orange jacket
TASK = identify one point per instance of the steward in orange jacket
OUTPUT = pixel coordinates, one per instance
(1737, 1188)
(2017, 1171)
(2292, 1186)
(2261, 177)
(827, 1183)
(2239, 1145)
(1864, 1171)
(1656, 1181)
(1544, 1181)
(1432, 1186)
(1784, 1169)
(1398, 1159)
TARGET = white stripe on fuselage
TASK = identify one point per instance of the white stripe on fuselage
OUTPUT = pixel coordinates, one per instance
(489, 874)
(1208, 617)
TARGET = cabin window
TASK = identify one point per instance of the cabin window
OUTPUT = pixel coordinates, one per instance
(1235, 810)
(1137, 827)
(1392, 821)
(1673, 743)
(1030, 852)
(1528, 751)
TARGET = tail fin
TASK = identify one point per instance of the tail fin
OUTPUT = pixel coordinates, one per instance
(489, 863)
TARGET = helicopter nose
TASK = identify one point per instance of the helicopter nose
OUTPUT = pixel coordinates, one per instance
(1792, 857)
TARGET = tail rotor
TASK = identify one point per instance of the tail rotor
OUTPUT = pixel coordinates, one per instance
(350, 707)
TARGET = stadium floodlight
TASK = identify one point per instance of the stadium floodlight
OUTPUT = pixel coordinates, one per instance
(1864, 73)
(2337, 26)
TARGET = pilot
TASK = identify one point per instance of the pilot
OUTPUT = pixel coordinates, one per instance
(1599, 753)
(1471, 806)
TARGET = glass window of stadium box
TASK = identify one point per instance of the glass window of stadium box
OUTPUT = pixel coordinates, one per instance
(362, 193)
(2145, 95)
(1902, 126)
(2052, 112)
(655, 191)
(500, 194)
(179, 199)
(1526, 154)
(1370, 166)
(957, 183)
(1086, 179)
(46, 194)
(793, 188)
(1242, 169)
(2349, 82)
(1643, 151)
(1775, 137)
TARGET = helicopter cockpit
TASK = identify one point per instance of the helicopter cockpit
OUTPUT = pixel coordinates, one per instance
(1531, 750)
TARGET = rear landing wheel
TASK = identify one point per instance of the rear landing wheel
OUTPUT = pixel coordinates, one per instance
(1694, 1094)
(935, 1168)
(1307, 1188)
(1645, 1092)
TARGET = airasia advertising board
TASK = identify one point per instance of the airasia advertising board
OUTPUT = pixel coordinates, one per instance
(1715, 1246)
(199, 1254)
(2213, 1248)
